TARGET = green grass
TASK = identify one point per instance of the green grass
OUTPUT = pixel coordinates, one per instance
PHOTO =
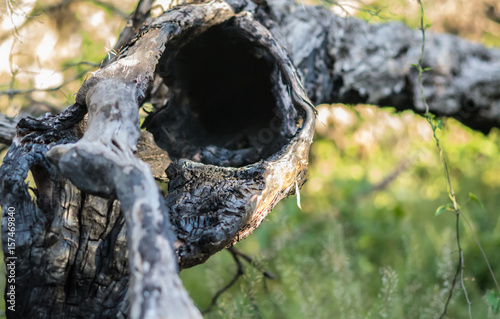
(357, 251)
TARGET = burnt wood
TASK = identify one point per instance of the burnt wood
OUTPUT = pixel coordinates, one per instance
(230, 134)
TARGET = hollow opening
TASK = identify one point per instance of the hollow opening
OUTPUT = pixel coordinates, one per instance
(226, 103)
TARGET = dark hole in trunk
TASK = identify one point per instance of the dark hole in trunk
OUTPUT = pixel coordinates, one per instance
(227, 104)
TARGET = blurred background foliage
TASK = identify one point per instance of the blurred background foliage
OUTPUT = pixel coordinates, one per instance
(366, 243)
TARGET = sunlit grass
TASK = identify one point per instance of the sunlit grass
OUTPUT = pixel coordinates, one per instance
(361, 248)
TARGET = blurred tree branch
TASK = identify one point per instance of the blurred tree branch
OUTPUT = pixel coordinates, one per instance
(348, 60)
(340, 60)
(52, 8)
(134, 22)
(7, 129)
(13, 92)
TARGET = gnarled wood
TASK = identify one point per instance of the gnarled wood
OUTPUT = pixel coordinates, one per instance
(232, 127)
(347, 60)
(208, 206)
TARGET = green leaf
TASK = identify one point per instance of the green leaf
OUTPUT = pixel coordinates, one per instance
(493, 299)
(418, 67)
(439, 124)
(427, 69)
(476, 199)
(440, 210)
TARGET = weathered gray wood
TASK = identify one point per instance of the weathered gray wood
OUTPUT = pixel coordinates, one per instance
(347, 60)
(100, 219)
(106, 153)
(7, 129)
(228, 202)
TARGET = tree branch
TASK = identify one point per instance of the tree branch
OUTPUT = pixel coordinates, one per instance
(134, 22)
(107, 150)
(223, 178)
(347, 60)
(7, 129)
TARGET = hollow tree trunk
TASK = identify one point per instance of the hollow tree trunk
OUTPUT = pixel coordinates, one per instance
(233, 125)
(230, 133)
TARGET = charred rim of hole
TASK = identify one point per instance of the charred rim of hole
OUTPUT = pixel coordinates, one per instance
(227, 104)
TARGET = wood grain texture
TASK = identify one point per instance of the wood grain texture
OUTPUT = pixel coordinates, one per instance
(101, 241)
(7, 129)
(86, 173)
(347, 60)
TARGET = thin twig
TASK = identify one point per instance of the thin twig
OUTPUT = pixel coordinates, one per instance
(402, 166)
(482, 251)
(12, 92)
(239, 272)
(469, 303)
(459, 267)
(71, 65)
(56, 7)
(10, 13)
(451, 192)
(252, 262)
(363, 7)
(107, 5)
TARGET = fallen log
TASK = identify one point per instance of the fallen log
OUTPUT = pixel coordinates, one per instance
(230, 133)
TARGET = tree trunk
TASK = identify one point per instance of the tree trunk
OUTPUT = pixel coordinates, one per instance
(101, 240)
(230, 133)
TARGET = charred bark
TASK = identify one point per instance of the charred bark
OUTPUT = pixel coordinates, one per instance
(346, 60)
(101, 240)
(230, 133)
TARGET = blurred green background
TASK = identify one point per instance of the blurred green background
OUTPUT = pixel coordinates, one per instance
(367, 243)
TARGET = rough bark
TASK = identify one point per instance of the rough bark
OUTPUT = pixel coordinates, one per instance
(7, 129)
(70, 244)
(230, 134)
(347, 60)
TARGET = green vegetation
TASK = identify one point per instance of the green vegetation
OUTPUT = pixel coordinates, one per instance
(367, 243)
(377, 238)
(477, 20)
